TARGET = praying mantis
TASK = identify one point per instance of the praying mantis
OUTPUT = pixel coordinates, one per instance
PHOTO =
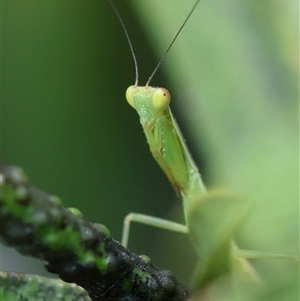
(168, 148)
(166, 144)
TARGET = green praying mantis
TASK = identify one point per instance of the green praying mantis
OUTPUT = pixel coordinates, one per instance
(170, 151)
(166, 145)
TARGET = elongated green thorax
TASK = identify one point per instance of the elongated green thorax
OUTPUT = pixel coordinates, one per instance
(166, 141)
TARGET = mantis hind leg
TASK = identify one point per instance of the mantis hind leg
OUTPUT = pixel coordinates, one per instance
(151, 221)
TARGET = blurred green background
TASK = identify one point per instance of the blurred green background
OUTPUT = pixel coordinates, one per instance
(233, 74)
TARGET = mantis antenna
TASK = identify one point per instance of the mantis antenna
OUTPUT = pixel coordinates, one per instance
(171, 44)
(131, 47)
(128, 40)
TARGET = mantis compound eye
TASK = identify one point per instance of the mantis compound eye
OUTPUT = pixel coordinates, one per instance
(161, 99)
(129, 96)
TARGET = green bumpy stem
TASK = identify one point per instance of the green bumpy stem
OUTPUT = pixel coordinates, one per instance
(37, 224)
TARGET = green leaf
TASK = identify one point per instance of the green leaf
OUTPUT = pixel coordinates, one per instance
(213, 222)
